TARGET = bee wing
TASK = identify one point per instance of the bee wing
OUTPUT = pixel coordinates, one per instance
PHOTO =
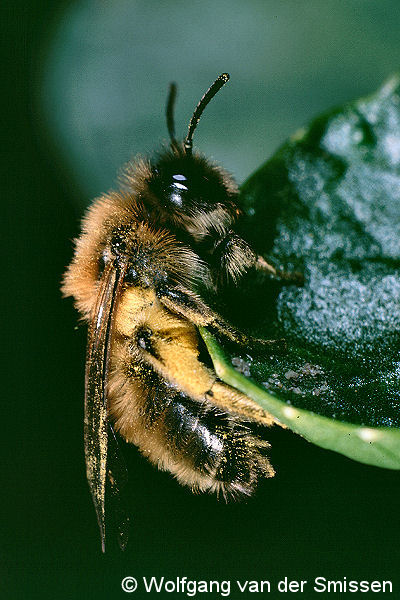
(96, 377)
(117, 479)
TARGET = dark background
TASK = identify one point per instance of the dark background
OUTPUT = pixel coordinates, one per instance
(322, 515)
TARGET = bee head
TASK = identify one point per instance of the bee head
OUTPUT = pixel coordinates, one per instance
(189, 192)
(186, 190)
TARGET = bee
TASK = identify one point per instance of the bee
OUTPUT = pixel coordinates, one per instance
(140, 263)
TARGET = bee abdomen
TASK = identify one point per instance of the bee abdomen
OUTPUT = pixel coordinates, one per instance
(211, 450)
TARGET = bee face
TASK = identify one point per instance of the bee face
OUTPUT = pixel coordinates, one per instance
(135, 277)
(187, 192)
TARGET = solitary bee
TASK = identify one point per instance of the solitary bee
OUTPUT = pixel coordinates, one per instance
(141, 261)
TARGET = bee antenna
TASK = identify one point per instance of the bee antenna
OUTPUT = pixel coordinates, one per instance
(170, 113)
(210, 93)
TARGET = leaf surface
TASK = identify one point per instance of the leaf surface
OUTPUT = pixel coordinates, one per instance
(327, 205)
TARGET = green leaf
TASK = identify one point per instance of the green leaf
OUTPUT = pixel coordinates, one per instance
(377, 446)
(327, 205)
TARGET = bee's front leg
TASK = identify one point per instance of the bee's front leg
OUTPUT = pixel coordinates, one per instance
(294, 277)
(233, 257)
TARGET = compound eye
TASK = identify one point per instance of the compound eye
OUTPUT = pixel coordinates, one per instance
(178, 188)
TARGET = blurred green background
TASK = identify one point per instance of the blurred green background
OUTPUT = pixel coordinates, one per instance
(84, 86)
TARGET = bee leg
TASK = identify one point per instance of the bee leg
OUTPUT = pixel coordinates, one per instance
(190, 306)
(234, 257)
(187, 304)
(294, 277)
(259, 345)
(229, 399)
